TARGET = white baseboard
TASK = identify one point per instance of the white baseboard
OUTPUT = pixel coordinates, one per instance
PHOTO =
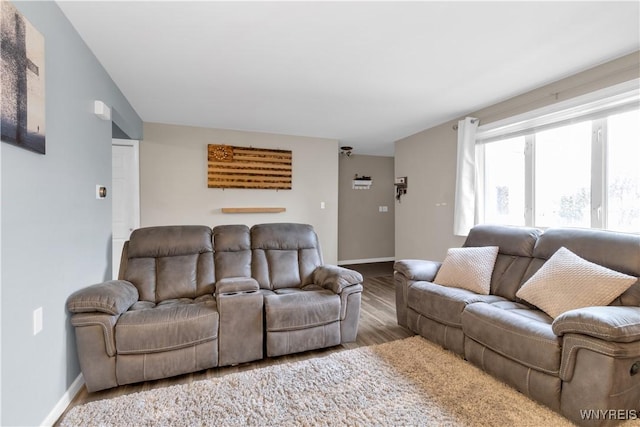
(64, 401)
(365, 261)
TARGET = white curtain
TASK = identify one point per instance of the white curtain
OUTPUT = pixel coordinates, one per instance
(465, 202)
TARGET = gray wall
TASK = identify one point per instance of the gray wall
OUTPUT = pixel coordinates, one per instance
(424, 220)
(173, 181)
(365, 233)
(55, 234)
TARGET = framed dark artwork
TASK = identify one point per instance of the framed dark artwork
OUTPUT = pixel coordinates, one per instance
(22, 81)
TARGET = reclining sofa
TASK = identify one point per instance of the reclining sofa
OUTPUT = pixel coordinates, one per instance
(190, 298)
(585, 359)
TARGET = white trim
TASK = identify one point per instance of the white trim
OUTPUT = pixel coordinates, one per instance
(590, 103)
(64, 401)
(366, 260)
(135, 144)
(135, 190)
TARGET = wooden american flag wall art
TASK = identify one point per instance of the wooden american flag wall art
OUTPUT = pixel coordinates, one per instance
(248, 167)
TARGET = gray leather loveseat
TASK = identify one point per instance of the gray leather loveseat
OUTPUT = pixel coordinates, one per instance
(190, 298)
(584, 363)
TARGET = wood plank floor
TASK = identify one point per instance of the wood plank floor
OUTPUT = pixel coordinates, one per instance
(377, 325)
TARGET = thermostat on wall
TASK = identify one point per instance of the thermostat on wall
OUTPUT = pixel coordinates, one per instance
(101, 192)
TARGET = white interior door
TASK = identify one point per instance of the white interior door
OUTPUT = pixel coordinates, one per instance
(125, 199)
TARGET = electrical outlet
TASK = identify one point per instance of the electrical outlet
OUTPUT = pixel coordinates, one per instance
(322, 205)
(37, 321)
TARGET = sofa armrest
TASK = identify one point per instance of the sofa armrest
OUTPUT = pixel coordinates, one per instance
(609, 323)
(113, 297)
(417, 269)
(336, 278)
(236, 284)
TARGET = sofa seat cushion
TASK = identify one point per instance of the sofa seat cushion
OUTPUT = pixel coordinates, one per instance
(300, 310)
(442, 303)
(170, 325)
(515, 331)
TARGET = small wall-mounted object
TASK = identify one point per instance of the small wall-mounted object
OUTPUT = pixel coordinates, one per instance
(362, 182)
(253, 210)
(101, 110)
(101, 192)
(401, 187)
(346, 150)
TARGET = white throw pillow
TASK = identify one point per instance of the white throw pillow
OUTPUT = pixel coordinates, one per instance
(566, 282)
(468, 268)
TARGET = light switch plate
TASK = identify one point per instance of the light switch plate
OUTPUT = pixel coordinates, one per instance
(37, 321)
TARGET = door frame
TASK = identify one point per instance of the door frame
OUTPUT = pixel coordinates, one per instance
(135, 190)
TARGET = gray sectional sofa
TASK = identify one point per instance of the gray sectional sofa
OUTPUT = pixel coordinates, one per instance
(190, 298)
(584, 359)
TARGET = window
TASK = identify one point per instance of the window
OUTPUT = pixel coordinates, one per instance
(562, 176)
(504, 182)
(623, 172)
(582, 170)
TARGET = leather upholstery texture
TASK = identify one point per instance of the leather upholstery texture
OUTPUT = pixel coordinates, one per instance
(585, 359)
(284, 255)
(301, 310)
(171, 262)
(169, 326)
(112, 297)
(191, 298)
(442, 303)
(516, 332)
(232, 256)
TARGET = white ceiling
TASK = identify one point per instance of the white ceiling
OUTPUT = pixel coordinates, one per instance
(365, 73)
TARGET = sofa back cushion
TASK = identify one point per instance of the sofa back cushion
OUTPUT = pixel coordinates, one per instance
(170, 262)
(284, 255)
(613, 250)
(232, 251)
(514, 256)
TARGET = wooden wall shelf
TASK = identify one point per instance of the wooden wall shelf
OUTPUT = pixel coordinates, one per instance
(253, 210)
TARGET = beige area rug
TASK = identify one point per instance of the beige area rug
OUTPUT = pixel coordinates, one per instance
(400, 383)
